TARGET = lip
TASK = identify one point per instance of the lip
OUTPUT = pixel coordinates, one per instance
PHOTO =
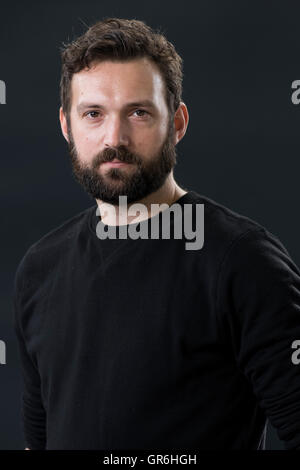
(115, 163)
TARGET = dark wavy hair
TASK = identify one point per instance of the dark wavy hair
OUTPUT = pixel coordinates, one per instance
(121, 39)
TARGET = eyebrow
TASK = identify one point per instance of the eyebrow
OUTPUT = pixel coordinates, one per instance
(144, 103)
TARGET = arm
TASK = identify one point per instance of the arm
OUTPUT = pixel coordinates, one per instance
(258, 307)
(33, 412)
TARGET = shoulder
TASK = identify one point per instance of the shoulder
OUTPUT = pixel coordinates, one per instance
(233, 239)
(222, 220)
(44, 253)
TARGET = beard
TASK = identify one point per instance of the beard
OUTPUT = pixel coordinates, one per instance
(136, 182)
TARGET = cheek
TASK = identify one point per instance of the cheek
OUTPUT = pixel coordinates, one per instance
(88, 149)
(150, 142)
(84, 143)
(85, 148)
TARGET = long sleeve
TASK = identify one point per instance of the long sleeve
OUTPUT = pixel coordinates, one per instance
(258, 307)
(33, 412)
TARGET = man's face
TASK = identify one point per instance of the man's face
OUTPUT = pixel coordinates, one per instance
(110, 119)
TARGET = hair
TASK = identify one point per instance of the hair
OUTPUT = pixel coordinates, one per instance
(119, 39)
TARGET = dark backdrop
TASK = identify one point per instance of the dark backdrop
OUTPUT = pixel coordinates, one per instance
(241, 147)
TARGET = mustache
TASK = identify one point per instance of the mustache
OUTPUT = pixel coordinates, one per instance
(121, 153)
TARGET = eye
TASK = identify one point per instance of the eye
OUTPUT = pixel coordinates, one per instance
(92, 112)
(141, 111)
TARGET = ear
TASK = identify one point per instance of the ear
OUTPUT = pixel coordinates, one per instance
(181, 120)
(63, 124)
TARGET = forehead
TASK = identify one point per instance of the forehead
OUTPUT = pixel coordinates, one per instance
(116, 82)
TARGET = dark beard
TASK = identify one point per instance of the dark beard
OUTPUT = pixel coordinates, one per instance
(146, 178)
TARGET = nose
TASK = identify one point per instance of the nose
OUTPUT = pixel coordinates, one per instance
(116, 132)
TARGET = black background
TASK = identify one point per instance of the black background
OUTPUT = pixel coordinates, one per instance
(241, 147)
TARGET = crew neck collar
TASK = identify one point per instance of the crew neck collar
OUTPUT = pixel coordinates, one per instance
(186, 198)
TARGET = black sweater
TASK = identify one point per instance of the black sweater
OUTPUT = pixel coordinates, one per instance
(142, 344)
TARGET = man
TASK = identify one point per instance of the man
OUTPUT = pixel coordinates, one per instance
(132, 343)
